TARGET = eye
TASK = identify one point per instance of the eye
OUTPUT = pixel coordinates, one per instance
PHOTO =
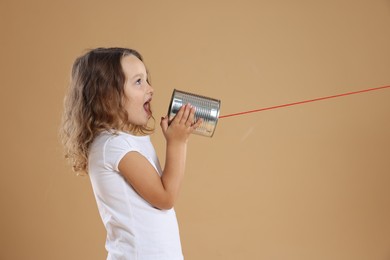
(139, 81)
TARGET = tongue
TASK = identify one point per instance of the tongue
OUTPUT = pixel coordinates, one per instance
(147, 107)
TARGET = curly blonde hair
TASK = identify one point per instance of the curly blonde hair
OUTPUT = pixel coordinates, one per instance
(95, 103)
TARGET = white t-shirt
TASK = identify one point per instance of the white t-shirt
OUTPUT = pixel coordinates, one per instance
(135, 229)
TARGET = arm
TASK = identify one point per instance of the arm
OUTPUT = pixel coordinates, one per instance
(162, 191)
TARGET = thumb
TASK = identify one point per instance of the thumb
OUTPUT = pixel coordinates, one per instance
(164, 123)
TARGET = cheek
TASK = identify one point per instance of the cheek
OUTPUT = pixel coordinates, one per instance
(128, 105)
(133, 106)
(134, 101)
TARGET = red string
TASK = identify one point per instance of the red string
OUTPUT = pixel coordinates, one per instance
(305, 101)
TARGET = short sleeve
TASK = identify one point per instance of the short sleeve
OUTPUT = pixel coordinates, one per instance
(115, 149)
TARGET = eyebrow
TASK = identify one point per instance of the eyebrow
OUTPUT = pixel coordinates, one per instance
(139, 75)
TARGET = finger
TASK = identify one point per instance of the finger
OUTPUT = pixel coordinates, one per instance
(191, 117)
(197, 123)
(186, 113)
(179, 114)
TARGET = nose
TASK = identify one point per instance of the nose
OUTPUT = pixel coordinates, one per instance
(150, 89)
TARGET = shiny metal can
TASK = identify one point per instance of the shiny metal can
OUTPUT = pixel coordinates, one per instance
(206, 108)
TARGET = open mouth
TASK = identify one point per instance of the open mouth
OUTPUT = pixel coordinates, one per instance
(147, 107)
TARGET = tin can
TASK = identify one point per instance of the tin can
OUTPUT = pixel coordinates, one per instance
(205, 108)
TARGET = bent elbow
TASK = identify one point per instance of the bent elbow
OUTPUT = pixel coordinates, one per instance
(165, 207)
(166, 204)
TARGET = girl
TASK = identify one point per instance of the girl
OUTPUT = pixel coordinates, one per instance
(105, 134)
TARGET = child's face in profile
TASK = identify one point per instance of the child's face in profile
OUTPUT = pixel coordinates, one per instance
(138, 92)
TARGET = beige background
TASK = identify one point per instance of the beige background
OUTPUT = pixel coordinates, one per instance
(304, 182)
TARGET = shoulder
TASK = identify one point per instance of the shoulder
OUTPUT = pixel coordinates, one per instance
(108, 148)
(118, 143)
(118, 139)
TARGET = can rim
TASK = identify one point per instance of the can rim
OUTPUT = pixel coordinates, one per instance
(170, 104)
